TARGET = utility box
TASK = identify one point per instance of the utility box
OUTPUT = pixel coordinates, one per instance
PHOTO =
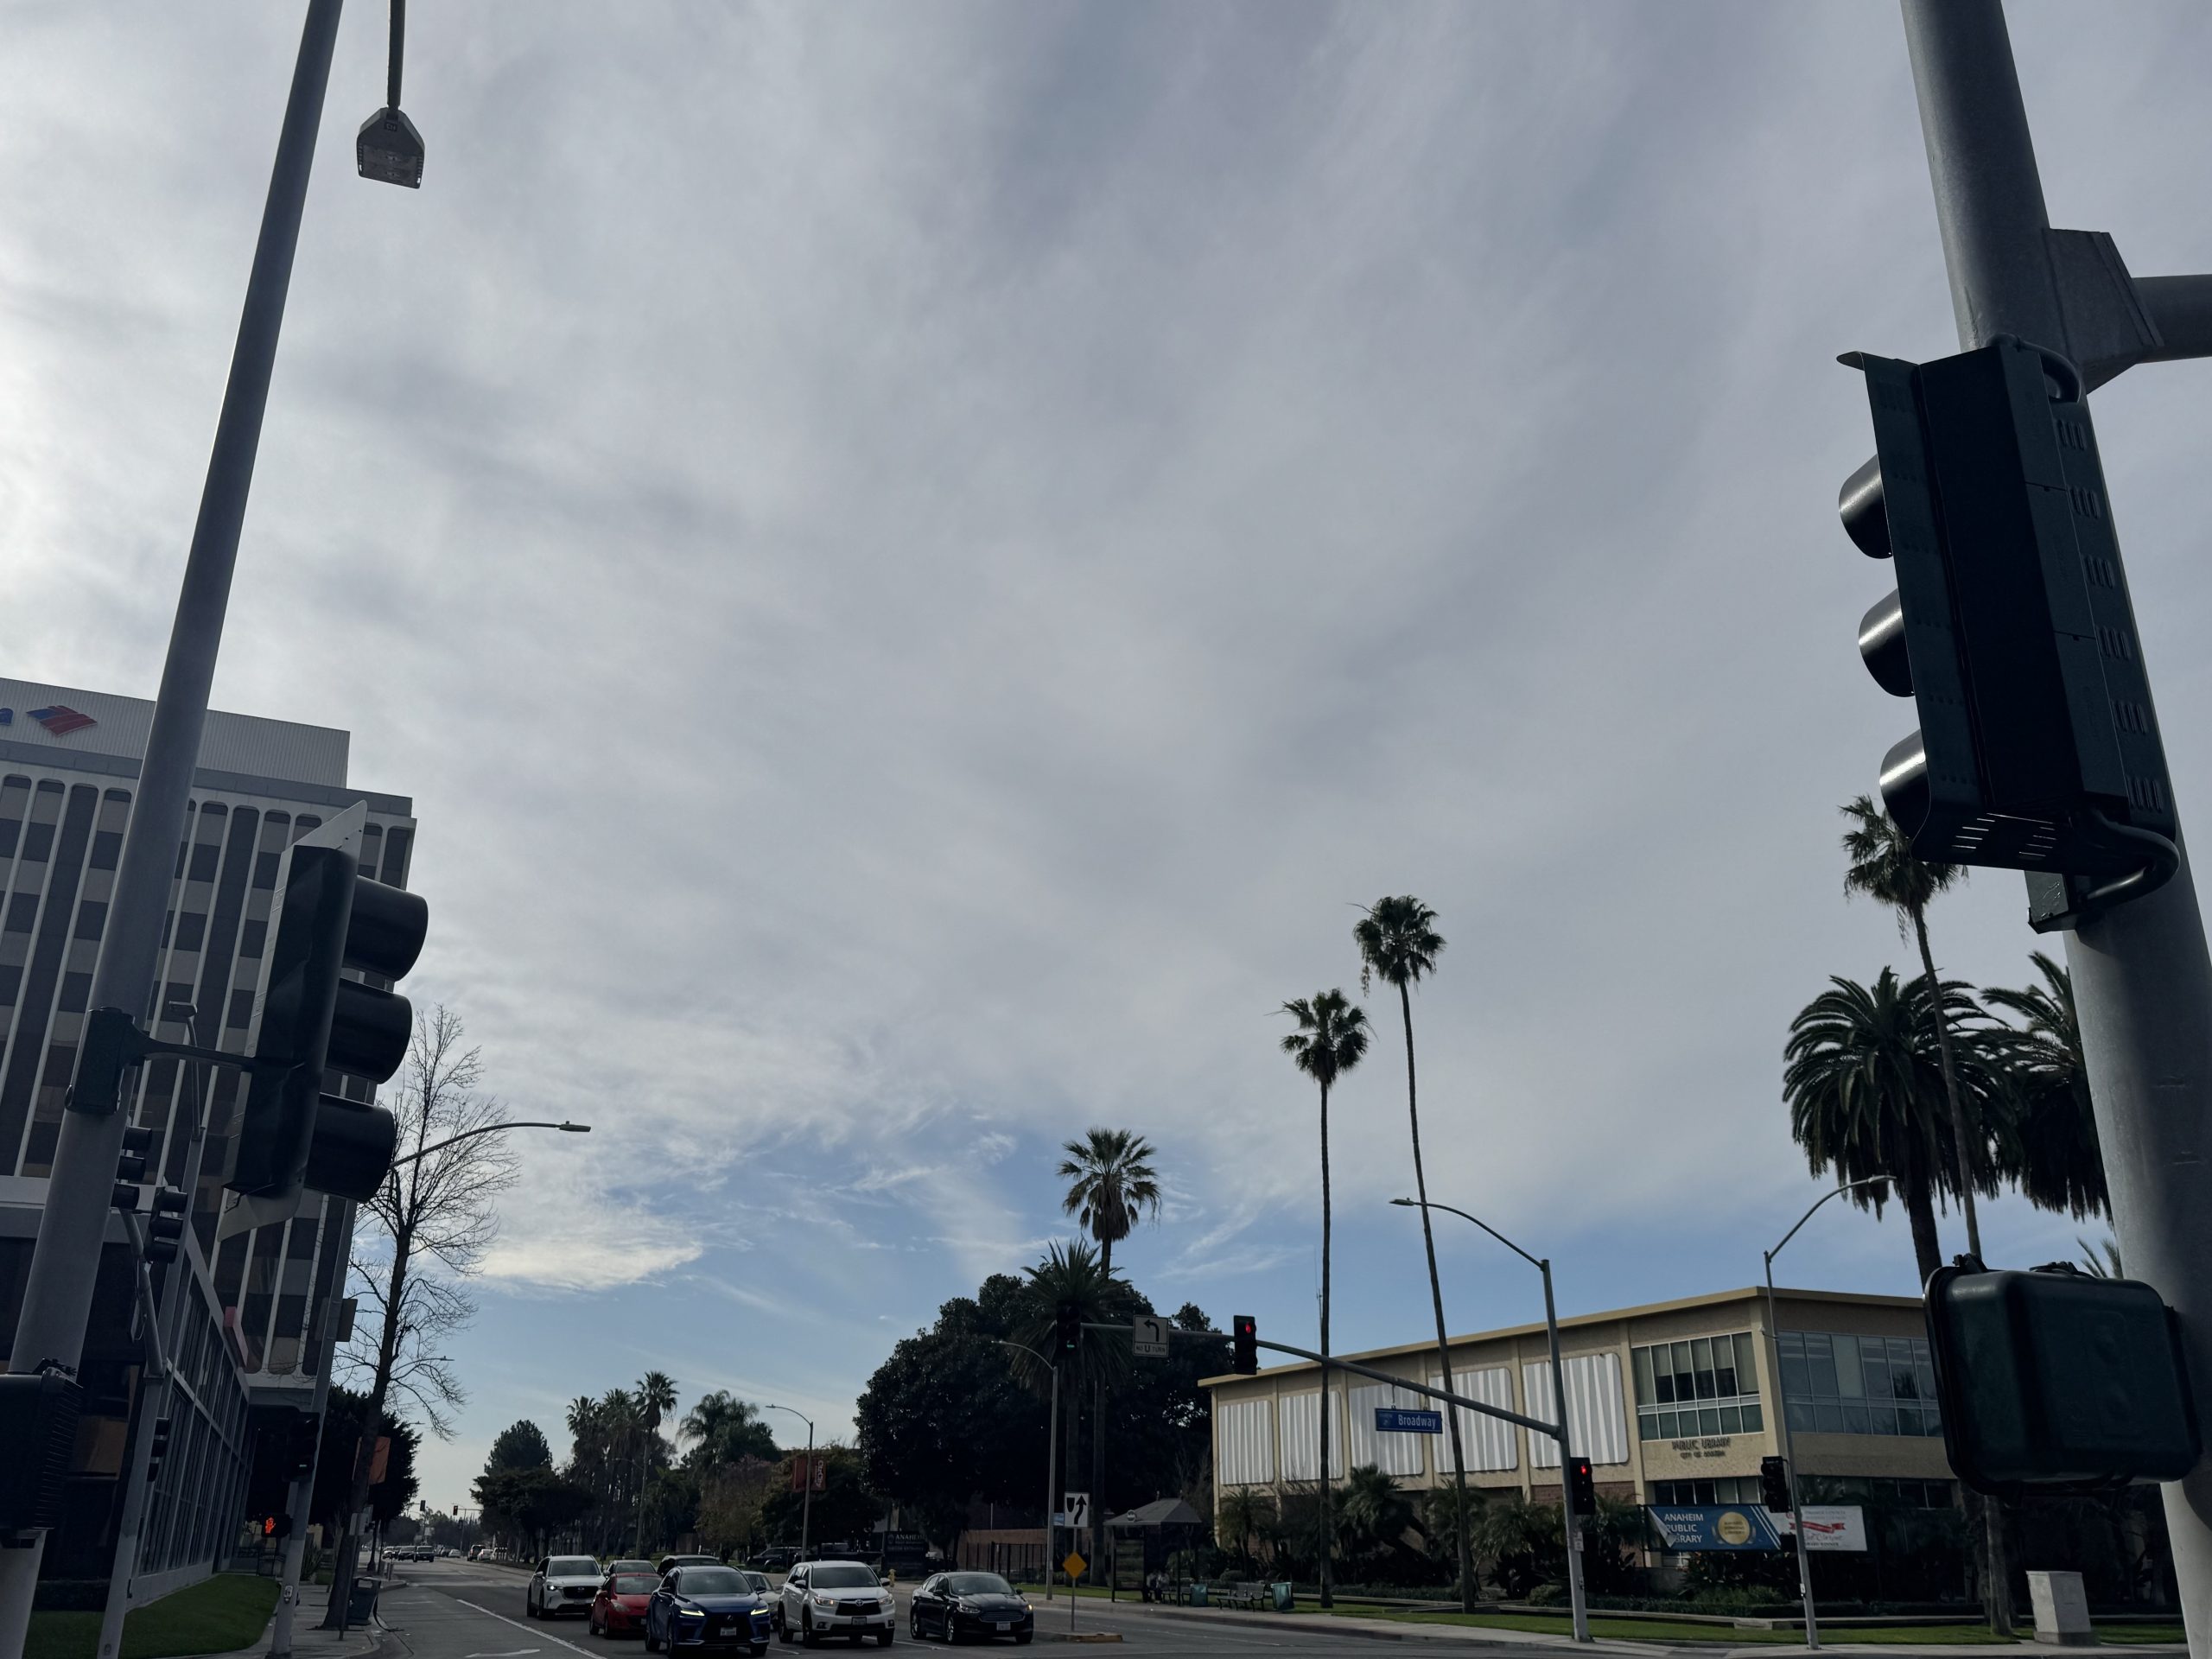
(2053, 1381)
(2062, 1610)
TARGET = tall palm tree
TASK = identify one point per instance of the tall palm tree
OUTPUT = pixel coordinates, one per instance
(655, 1399)
(723, 1428)
(2053, 1155)
(1399, 943)
(1111, 1186)
(1073, 1275)
(1331, 1040)
(1884, 868)
(1864, 1082)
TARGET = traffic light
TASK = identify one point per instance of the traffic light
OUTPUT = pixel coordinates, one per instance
(1068, 1325)
(312, 1020)
(2055, 1382)
(158, 1450)
(2011, 629)
(1244, 1345)
(165, 1227)
(39, 1411)
(1582, 1482)
(130, 1168)
(301, 1442)
(1774, 1483)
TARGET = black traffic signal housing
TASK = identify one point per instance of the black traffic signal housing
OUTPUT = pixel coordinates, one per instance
(165, 1226)
(301, 1440)
(2054, 1381)
(1067, 1327)
(1244, 1345)
(1582, 1482)
(2011, 629)
(313, 1020)
(38, 1425)
(1774, 1483)
(158, 1450)
(130, 1168)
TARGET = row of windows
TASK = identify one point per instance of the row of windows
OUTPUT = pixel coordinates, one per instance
(1708, 1385)
(1836, 1383)
(1745, 1489)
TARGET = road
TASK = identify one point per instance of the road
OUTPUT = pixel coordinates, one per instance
(457, 1609)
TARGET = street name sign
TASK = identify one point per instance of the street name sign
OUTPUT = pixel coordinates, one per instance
(1148, 1335)
(1395, 1419)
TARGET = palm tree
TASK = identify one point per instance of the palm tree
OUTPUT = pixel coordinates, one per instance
(1245, 1511)
(724, 1429)
(1884, 868)
(2102, 1261)
(1398, 942)
(1072, 1275)
(1377, 1514)
(1865, 1094)
(2053, 1155)
(1331, 1040)
(1111, 1186)
(655, 1399)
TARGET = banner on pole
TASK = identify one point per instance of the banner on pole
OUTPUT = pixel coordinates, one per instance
(1691, 1527)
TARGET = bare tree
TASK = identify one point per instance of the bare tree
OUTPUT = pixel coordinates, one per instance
(433, 1220)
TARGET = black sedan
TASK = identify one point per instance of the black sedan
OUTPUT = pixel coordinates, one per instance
(706, 1607)
(956, 1605)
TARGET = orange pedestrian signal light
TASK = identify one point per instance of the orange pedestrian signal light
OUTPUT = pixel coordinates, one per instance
(269, 1526)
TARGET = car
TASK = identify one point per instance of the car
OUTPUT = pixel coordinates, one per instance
(618, 1609)
(562, 1584)
(758, 1580)
(667, 1564)
(956, 1605)
(634, 1564)
(823, 1598)
(774, 1560)
(706, 1607)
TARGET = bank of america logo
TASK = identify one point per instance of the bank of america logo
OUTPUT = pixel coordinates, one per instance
(62, 721)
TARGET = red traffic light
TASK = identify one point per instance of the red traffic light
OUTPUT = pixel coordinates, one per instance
(1244, 1340)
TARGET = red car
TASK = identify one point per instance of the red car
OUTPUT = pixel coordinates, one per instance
(618, 1609)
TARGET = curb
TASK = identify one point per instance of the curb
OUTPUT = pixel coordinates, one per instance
(1078, 1636)
(1460, 1633)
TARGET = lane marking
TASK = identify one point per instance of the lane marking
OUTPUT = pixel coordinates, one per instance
(508, 1653)
(524, 1628)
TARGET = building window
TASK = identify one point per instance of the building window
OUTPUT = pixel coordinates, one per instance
(1835, 1383)
(1706, 1386)
(1727, 1488)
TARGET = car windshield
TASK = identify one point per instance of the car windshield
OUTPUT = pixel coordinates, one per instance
(842, 1575)
(711, 1581)
(572, 1566)
(634, 1583)
(977, 1583)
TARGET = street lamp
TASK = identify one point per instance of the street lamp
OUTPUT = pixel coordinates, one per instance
(388, 148)
(1782, 1407)
(806, 1503)
(1542, 1264)
(490, 1129)
(1052, 1458)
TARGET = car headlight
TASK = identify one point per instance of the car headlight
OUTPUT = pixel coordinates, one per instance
(822, 1601)
(689, 1612)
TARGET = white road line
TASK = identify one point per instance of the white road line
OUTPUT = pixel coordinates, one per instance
(524, 1628)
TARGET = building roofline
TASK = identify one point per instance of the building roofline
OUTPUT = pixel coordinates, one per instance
(234, 783)
(1712, 1298)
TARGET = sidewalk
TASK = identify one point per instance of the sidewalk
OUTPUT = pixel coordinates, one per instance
(314, 1601)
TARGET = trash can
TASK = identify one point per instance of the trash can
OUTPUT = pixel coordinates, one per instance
(1197, 1589)
(362, 1605)
(1284, 1604)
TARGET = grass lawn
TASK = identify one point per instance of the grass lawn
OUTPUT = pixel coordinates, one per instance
(213, 1616)
(2141, 1633)
(1655, 1630)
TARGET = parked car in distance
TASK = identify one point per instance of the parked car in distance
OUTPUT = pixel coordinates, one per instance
(706, 1607)
(618, 1609)
(776, 1560)
(823, 1598)
(956, 1605)
(561, 1584)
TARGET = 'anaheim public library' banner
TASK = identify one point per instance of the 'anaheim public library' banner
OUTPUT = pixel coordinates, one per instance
(1690, 1527)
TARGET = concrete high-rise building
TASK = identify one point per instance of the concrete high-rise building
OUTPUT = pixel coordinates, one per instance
(68, 765)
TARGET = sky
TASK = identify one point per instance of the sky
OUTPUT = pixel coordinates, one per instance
(918, 563)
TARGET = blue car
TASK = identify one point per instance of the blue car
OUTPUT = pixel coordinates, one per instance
(698, 1607)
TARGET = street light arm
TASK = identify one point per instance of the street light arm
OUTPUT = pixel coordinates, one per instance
(1416, 1203)
(490, 1129)
(1848, 1187)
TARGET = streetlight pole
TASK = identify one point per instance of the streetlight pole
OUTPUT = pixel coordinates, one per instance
(1577, 1599)
(2142, 976)
(491, 1129)
(58, 1296)
(1052, 1459)
(1782, 1408)
(806, 1499)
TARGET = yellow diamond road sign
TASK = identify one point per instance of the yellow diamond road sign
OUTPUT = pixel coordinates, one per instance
(1074, 1565)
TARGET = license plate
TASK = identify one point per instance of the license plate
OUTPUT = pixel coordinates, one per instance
(1002, 1623)
(729, 1630)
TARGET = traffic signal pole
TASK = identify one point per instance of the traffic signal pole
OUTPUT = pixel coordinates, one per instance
(299, 1499)
(2142, 976)
(57, 1298)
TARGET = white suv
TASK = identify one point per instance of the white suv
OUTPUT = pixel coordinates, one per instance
(823, 1598)
(562, 1584)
